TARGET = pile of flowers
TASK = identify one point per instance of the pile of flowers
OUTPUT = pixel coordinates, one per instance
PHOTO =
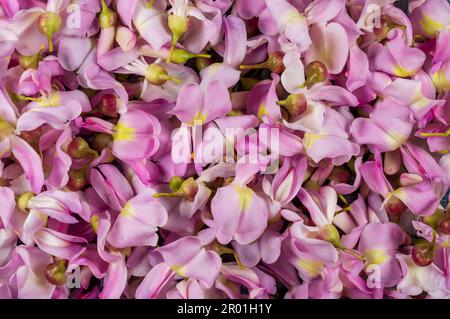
(224, 149)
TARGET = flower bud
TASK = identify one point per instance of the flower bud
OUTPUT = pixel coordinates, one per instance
(108, 105)
(295, 104)
(422, 254)
(48, 24)
(274, 63)
(180, 56)
(157, 75)
(175, 183)
(77, 180)
(55, 273)
(315, 72)
(444, 225)
(101, 141)
(178, 25)
(187, 190)
(107, 17)
(23, 200)
(78, 148)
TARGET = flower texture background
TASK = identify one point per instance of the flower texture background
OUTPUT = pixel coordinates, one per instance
(224, 149)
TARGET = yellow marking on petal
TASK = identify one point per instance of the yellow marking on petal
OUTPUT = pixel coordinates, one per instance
(123, 132)
(262, 110)
(430, 26)
(51, 101)
(245, 196)
(419, 100)
(375, 256)
(396, 139)
(420, 104)
(179, 270)
(292, 16)
(312, 267)
(400, 194)
(402, 72)
(127, 210)
(440, 81)
(199, 118)
(310, 139)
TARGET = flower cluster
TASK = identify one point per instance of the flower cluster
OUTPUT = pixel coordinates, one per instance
(119, 177)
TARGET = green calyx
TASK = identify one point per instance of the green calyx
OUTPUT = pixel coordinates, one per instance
(187, 190)
(31, 61)
(48, 24)
(295, 104)
(178, 25)
(23, 200)
(175, 183)
(315, 72)
(157, 75)
(180, 56)
(107, 18)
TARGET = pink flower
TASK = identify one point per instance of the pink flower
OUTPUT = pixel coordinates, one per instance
(224, 149)
(244, 217)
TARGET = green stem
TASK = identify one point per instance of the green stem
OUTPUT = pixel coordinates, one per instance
(254, 66)
(437, 134)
